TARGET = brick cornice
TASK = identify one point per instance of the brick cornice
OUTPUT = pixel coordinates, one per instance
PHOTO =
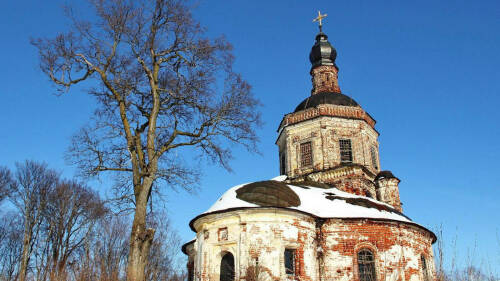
(348, 112)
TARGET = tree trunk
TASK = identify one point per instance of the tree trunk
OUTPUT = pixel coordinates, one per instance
(140, 237)
(23, 268)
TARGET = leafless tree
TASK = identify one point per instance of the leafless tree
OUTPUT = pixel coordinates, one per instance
(71, 212)
(32, 183)
(5, 182)
(10, 245)
(103, 256)
(156, 81)
(162, 260)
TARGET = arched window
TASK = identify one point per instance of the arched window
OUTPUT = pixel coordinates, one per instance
(424, 268)
(190, 267)
(366, 265)
(282, 162)
(227, 267)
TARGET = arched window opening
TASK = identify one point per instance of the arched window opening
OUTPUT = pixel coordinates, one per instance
(227, 267)
(282, 163)
(424, 268)
(369, 195)
(366, 265)
(290, 261)
(190, 268)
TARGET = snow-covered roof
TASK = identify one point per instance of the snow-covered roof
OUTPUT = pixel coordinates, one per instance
(319, 202)
(316, 201)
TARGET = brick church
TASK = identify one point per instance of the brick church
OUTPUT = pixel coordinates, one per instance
(333, 214)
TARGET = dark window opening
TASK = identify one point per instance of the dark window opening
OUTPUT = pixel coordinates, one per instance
(369, 195)
(373, 151)
(305, 154)
(227, 267)
(190, 271)
(290, 261)
(366, 266)
(345, 151)
(282, 163)
(424, 268)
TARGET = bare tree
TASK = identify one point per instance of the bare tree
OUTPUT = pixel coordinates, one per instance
(104, 257)
(162, 258)
(5, 182)
(156, 80)
(10, 245)
(32, 184)
(111, 248)
(71, 213)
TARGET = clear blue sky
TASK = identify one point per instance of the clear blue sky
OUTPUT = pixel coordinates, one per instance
(427, 71)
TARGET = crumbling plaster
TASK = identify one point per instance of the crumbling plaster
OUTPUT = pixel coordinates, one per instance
(325, 251)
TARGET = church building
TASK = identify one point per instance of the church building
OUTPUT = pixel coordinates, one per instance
(333, 214)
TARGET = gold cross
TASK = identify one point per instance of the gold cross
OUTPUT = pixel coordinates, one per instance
(320, 18)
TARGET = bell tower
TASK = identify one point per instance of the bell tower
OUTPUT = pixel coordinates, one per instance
(329, 138)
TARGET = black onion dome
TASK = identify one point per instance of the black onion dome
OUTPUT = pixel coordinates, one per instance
(322, 53)
(326, 98)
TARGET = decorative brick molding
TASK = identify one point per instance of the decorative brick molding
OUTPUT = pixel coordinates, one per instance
(348, 112)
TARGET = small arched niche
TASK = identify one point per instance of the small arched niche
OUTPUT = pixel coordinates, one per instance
(227, 267)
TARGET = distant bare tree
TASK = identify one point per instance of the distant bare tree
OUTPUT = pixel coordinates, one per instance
(162, 257)
(32, 183)
(71, 212)
(157, 85)
(111, 248)
(104, 257)
(5, 182)
(10, 246)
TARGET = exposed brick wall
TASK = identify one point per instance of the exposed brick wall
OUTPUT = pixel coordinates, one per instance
(325, 79)
(326, 249)
(324, 133)
(388, 191)
(397, 248)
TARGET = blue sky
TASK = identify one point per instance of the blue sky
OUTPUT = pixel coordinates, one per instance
(427, 71)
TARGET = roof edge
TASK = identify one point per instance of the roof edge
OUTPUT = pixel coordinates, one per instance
(191, 223)
(183, 248)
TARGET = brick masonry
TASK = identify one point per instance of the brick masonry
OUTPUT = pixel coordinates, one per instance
(325, 79)
(325, 249)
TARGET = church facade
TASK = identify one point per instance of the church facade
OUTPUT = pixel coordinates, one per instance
(333, 214)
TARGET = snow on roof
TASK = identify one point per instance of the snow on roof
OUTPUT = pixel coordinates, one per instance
(319, 202)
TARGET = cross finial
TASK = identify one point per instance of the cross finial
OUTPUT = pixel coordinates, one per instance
(319, 19)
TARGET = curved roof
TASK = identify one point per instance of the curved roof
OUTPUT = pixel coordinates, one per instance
(326, 98)
(313, 200)
(385, 175)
